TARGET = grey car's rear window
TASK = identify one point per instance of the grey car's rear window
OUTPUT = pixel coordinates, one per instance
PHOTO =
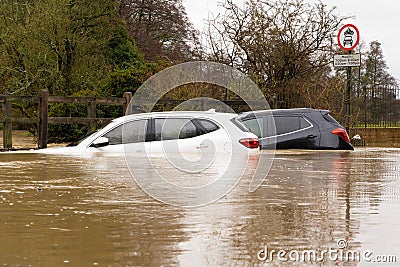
(329, 118)
(255, 125)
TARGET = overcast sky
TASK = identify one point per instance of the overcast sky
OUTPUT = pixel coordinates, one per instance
(376, 20)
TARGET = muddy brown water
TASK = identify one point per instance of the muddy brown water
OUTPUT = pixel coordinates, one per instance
(88, 211)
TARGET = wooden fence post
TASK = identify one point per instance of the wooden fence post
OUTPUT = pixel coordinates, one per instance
(43, 118)
(91, 113)
(7, 127)
(128, 98)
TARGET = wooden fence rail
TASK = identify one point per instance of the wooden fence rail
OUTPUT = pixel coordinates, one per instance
(43, 120)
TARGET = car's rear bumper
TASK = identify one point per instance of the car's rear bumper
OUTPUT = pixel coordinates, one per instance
(343, 145)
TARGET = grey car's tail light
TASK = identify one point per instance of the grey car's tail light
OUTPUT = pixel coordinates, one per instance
(342, 134)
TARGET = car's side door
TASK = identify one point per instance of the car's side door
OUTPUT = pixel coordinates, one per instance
(295, 131)
(175, 134)
(284, 131)
(129, 137)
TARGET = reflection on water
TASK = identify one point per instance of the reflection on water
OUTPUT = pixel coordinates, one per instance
(88, 211)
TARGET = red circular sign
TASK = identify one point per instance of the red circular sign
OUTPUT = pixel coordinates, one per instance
(348, 37)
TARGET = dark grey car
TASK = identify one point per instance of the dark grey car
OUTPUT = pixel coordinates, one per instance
(303, 128)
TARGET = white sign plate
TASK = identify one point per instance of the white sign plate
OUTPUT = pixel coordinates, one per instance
(347, 60)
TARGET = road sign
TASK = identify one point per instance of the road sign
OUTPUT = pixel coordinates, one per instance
(348, 37)
(352, 60)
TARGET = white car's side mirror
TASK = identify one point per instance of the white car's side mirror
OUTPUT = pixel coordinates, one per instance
(100, 142)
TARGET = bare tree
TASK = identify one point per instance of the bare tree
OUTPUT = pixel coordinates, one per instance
(161, 29)
(285, 45)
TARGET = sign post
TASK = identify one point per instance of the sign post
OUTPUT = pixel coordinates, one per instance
(347, 99)
(348, 38)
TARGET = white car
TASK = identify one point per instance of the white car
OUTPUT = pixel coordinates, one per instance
(169, 132)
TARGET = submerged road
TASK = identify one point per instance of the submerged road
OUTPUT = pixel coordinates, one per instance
(88, 211)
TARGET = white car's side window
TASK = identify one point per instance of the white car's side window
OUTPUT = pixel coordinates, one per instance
(207, 125)
(114, 136)
(175, 128)
(130, 132)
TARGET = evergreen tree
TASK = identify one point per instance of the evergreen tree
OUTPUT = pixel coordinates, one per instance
(375, 73)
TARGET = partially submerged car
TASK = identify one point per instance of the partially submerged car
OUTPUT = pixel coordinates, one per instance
(302, 128)
(169, 132)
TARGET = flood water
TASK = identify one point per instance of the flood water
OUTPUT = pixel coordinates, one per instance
(88, 211)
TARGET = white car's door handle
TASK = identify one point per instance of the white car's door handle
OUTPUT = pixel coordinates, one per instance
(201, 146)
